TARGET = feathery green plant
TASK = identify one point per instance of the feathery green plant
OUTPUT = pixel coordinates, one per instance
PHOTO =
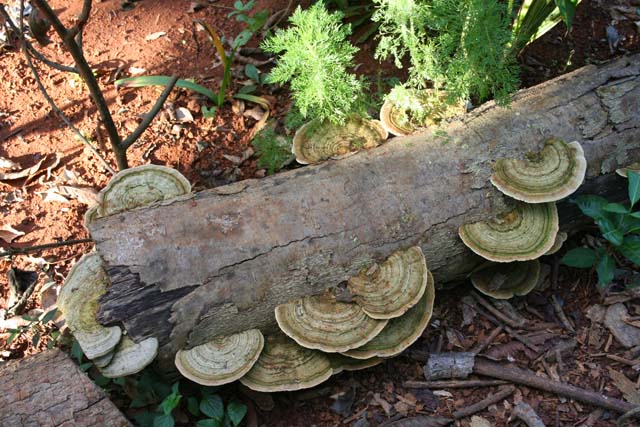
(314, 57)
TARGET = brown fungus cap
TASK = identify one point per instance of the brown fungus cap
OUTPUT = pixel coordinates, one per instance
(222, 360)
(340, 362)
(504, 281)
(284, 365)
(322, 323)
(86, 282)
(561, 237)
(139, 186)
(549, 175)
(317, 141)
(525, 233)
(130, 357)
(402, 331)
(390, 289)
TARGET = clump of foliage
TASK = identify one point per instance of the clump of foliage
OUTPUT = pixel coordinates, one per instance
(35, 325)
(315, 56)
(273, 150)
(458, 45)
(620, 228)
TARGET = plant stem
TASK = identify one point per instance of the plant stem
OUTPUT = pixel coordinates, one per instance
(21, 251)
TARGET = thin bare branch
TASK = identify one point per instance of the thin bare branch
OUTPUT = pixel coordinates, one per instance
(150, 115)
(21, 251)
(81, 21)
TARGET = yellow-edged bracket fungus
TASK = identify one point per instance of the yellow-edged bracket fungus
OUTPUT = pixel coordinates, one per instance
(317, 141)
(78, 300)
(222, 360)
(131, 357)
(402, 331)
(390, 289)
(322, 323)
(504, 281)
(549, 175)
(526, 232)
(284, 365)
(341, 363)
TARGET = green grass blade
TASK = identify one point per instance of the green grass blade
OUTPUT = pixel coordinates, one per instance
(141, 81)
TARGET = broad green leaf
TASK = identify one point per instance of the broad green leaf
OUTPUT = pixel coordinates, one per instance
(142, 81)
(630, 248)
(12, 336)
(169, 403)
(49, 316)
(567, 10)
(36, 339)
(610, 231)
(192, 406)
(212, 406)
(580, 258)
(634, 186)
(144, 419)
(84, 367)
(616, 208)
(252, 72)
(635, 214)
(208, 423)
(605, 269)
(242, 38)
(248, 89)
(120, 381)
(591, 206)
(101, 380)
(76, 351)
(236, 412)
(163, 420)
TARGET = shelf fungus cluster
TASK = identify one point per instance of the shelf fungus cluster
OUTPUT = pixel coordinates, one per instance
(136, 187)
(530, 230)
(321, 336)
(114, 354)
(317, 141)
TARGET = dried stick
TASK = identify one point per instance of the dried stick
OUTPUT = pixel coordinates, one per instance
(484, 403)
(560, 313)
(486, 304)
(510, 331)
(21, 251)
(525, 412)
(481, 346)
(453, 384)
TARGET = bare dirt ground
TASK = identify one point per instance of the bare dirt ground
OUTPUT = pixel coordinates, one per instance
(120, 43)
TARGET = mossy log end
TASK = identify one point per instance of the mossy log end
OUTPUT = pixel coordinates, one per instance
(219, 261)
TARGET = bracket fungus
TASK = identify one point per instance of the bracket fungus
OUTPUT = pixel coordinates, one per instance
(317, 141)
(561, 237)
(322, 323)
(86, 282)
(526, 232)
(140, 186)
(400, 109)
(390, 289)
(131, 357)
(504, 281)
(402, 331)
(549, 175)
(341, 363)
(284, 365)
(222, 360)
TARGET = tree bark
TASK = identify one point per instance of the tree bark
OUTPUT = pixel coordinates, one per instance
(220, 261)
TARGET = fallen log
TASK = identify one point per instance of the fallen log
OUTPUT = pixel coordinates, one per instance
(218, 262)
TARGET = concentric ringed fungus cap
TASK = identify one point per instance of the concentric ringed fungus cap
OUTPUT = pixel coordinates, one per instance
(402, 331)
(78, 300)
(90, 216)
(222, 360)
(552, 174)
(283, 365)
(390, 289)
(140, 186)
(103, 361)
(341, 363)
(317, 141)
(561, 237)
(322, 323)
(504, 281)
(525, 233)
(130, 357)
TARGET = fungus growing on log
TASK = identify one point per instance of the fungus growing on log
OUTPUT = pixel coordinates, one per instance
(341, 363)
(284, 365)
(140, 186)
(402, 331)
(633, 167)
(103, 361)
(526, 232)
(390, 289)
(316, 141)
(404, 111)
(504, 281)
(78, 300)
(130, 357)
(561, 237)
(322, 323)
(549, 175)
(222, 360)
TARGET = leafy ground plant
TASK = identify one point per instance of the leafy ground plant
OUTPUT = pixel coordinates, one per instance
(620, 227)
(273, 150)
(315, 56)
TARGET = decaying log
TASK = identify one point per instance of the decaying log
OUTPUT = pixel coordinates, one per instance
(219, 261)
(48, 389)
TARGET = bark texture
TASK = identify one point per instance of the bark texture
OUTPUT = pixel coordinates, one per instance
(48, 389)
(220, 261)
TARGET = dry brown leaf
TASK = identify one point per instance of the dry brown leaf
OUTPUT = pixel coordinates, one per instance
(85, 195)
(628, 388)
(8, 164)
(8, 233)
(10, 176)
(155, 36)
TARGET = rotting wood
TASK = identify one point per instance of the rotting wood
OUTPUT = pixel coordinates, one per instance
(236, 252)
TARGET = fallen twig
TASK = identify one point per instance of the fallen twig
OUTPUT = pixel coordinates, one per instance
(560, 313)
(484, 403)
(525, 412)
(515, 323)
(21, 251)
(484, 344)
(453, 384)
